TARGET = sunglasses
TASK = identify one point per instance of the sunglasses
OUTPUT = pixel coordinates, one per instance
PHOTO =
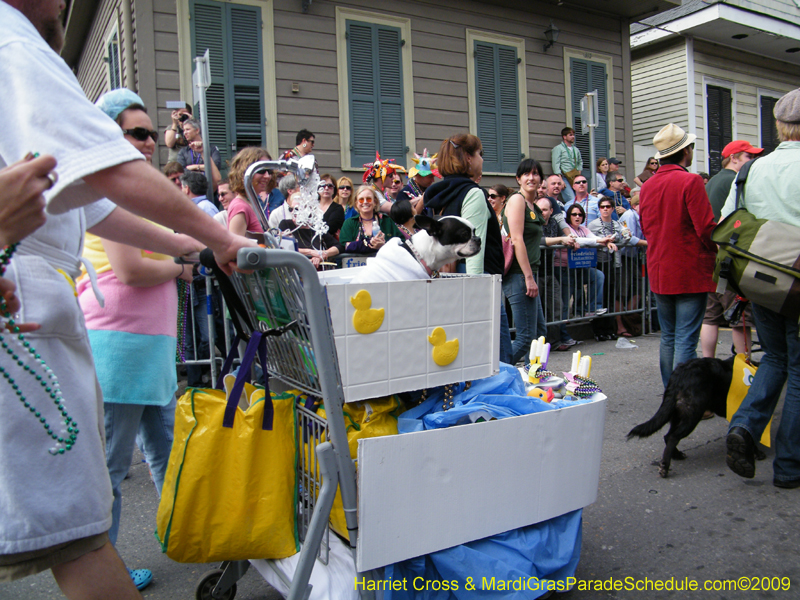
(141, 134)
(364, 200)
(584, 182)
(323, 186)
(494, 196)
(576, 214)
(346, 187)
(606, 207)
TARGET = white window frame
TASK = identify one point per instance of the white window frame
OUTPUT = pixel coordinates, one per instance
(764, 92)
(186, 64)
(473, 35)
(342, 16)
(707, 81)
(609, 63)
(114, 31)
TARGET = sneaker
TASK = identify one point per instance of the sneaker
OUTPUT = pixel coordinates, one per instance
(601, 311)
(740, 457)
(141, 577)
(569, 342)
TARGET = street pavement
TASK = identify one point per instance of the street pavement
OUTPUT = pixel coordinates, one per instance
(702, 524)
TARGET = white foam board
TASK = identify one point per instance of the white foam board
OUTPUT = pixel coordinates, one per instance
(397, 357)
(430, 490)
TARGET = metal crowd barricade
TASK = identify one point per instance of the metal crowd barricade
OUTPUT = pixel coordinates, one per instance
(574, 295)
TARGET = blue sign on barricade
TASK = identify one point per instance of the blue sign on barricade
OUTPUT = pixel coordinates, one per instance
(582, 258)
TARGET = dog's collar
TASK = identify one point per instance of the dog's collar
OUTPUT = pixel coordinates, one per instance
(409, 246)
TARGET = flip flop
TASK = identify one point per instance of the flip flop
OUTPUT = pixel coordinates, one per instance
(141, 577)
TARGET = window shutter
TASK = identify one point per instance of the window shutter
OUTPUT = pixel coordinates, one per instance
(234, 100)
(719, 125)
(114, 68)
(247, 69)
(769, 132)
(587, 76)
(377, 120)
(497, 97)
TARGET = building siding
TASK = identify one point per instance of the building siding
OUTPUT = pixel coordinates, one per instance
(660, 95)
(92, 71)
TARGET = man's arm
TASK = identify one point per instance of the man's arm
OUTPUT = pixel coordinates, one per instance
(144, 191)
(555, 159)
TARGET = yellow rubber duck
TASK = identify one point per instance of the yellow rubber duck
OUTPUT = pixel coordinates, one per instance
(365, 319)
(444, 352)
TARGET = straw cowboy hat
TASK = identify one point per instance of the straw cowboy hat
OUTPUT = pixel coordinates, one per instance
(672, 139)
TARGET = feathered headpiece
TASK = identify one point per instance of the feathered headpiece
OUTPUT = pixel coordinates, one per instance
(424, 165)
(380, 169)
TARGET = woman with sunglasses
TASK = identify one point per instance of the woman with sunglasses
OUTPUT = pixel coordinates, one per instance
(498, 195)
(369, 229)
(134, 334)
(332, 212)
(241, 215)
(649, 170)
(573, 279)
(344, 196)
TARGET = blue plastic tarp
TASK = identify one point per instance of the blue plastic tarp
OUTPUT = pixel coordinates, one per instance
(517, 565)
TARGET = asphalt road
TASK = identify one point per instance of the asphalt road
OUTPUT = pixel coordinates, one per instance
(703, 523)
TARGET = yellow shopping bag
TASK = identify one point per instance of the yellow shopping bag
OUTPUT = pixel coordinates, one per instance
(230, 493)
(743, 374)
(364, 419)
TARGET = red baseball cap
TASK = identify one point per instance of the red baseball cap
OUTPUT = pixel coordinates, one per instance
(740, 146)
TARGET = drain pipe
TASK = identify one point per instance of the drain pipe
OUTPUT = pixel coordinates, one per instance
(127, 44)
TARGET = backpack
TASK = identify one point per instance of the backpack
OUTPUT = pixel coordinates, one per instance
(759, 259)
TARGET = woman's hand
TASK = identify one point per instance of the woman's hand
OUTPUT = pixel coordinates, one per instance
(569, 241)
(186, 274)
(621, 210)
(612, 247)
(377, 241)
(197, 146)
(531, 289)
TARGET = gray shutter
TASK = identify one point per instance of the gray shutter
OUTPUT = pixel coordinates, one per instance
(486, 95)
(769, 132)
(587, 76)
(375, 73)
(232, 34)
(497, 97)
(247, 70)
(719, 125)
(114, 70)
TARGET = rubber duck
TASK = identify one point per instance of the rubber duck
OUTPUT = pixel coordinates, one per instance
(365, 319)
(444, 352)
(546, 395)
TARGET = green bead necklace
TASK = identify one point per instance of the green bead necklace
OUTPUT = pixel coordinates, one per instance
(17, 347)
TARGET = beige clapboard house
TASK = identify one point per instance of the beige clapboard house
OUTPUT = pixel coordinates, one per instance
(364, 75)
(716, 69)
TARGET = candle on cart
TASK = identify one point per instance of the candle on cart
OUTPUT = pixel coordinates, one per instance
(585, 368)
(576, 358)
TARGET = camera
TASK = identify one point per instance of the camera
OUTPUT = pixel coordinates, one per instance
(184, 118)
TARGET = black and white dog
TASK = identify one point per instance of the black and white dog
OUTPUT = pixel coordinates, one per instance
(438, 242)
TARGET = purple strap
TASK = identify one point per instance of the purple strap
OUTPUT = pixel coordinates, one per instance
(256, 345)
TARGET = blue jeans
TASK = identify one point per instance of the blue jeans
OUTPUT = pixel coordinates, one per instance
(778, 337)
(154, 426)
(567, 194)
(526, 312)
(595, 280)
(680, 316)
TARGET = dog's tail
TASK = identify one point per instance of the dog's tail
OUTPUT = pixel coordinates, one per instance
(661, 418)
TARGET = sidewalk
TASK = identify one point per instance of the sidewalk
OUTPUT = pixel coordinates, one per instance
(702, 523)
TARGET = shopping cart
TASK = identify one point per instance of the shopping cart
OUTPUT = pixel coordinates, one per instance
(283, 298)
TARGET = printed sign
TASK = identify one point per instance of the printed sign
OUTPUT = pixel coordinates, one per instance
(582, 258)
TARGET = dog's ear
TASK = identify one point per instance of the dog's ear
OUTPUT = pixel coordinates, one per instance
(432, 226)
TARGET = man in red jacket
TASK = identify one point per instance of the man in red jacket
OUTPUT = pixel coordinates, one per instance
(677, 221)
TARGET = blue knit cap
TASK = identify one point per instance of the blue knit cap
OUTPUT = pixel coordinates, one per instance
(114, 102)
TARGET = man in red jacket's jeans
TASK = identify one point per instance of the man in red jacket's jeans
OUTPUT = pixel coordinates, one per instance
(677, 221)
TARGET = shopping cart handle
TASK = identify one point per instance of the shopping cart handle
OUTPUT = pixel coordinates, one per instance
(253, 259)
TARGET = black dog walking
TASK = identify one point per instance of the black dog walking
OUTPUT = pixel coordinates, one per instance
(695, 386)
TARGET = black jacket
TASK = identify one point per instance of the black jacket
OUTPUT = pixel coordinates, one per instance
(446, 197)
